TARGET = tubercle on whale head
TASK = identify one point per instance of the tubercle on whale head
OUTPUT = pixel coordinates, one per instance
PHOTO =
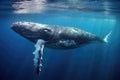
(32, 31)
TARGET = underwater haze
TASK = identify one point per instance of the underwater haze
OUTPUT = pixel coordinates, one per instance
(94, 61)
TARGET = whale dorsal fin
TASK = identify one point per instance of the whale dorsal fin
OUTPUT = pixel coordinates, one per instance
(38, 54)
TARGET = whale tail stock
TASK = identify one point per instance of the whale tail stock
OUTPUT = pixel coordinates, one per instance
(105, 39)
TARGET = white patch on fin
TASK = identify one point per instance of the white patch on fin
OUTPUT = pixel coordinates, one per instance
(38, 55)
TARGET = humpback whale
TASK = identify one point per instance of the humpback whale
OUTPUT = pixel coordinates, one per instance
(53, 36)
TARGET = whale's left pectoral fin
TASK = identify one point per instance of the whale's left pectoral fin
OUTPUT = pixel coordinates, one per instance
(38, 54)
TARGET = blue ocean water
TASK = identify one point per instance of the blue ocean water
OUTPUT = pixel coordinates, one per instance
(94, 61)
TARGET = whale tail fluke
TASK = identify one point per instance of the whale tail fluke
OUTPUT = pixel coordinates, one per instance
(106, 38)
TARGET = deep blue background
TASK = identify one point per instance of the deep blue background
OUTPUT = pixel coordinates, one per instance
(95, 61)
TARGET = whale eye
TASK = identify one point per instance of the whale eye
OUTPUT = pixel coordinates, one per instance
(47, 30)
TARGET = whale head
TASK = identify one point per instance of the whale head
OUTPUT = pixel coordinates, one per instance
(33, 31)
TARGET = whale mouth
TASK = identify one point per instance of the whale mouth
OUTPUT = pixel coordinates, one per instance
(26, 29)
(19, 27)
(33, 31)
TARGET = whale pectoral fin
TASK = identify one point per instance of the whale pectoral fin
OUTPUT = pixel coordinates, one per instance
(38, 55)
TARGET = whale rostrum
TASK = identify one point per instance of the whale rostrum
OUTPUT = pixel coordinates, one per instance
(52, 36)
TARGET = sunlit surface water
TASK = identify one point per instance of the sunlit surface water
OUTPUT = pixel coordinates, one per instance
(94, 61)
